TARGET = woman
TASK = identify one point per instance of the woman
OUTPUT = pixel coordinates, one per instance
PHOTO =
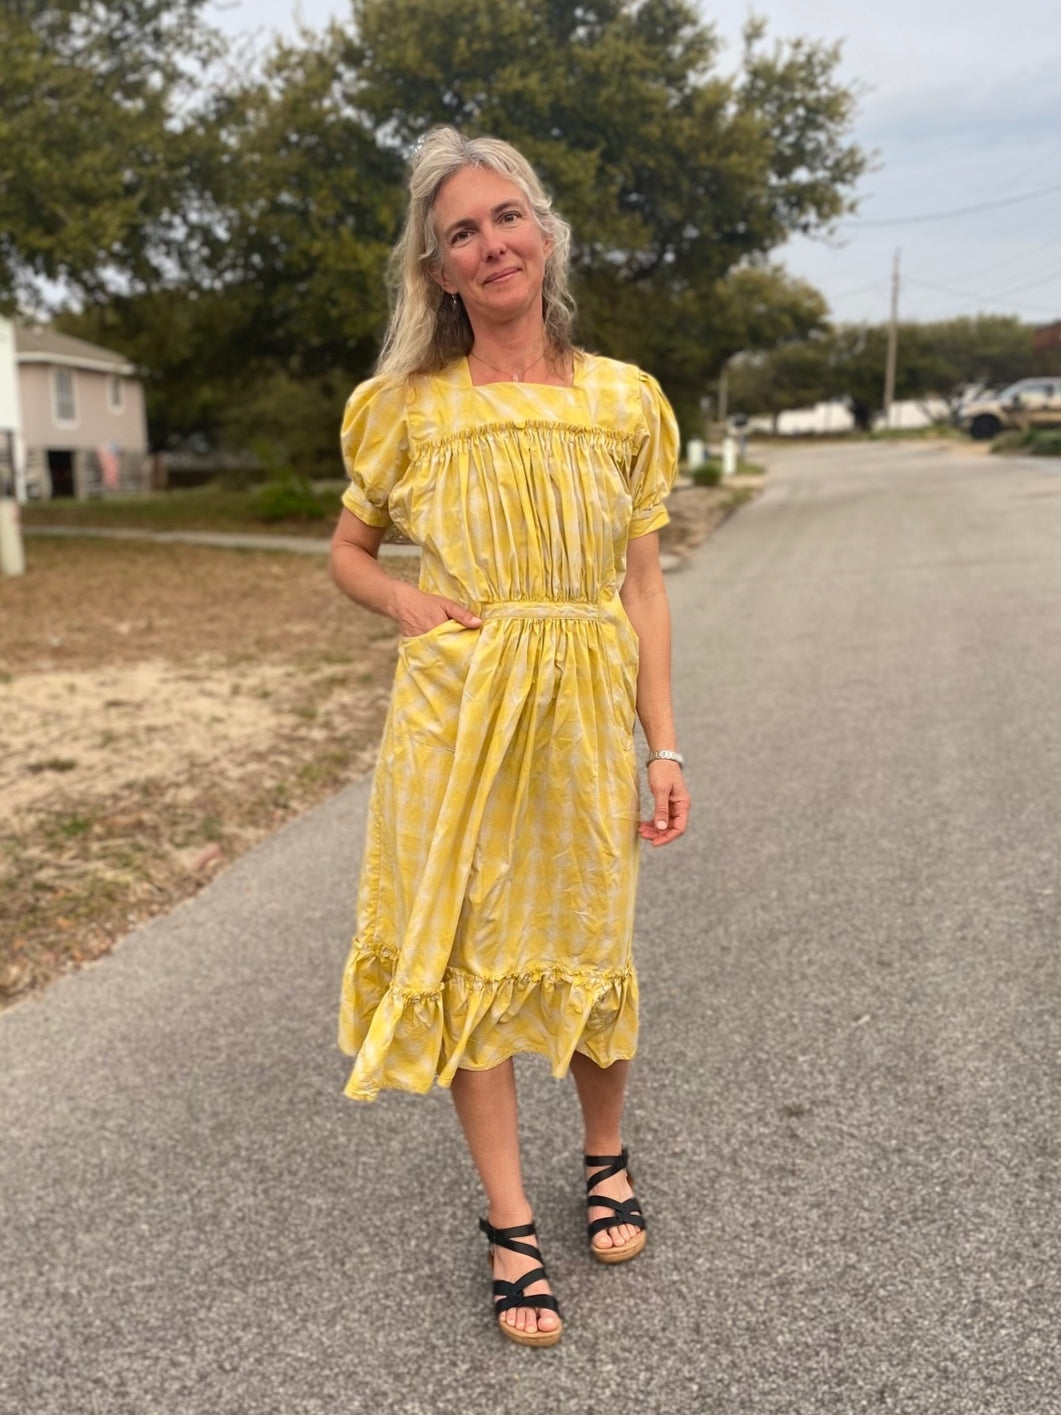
(495, 909)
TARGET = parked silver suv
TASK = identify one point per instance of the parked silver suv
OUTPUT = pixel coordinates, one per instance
(1028, 403)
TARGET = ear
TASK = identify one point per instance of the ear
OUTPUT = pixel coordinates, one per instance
(439, 276)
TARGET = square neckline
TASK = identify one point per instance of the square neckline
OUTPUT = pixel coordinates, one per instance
(576, 383)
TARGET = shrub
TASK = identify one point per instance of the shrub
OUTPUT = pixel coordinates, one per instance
(710, 474)
(1047, 443)
(287, 498)
(1039, 442)
(1010, 442)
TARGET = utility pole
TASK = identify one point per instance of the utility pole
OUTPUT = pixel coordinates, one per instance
(893, 344)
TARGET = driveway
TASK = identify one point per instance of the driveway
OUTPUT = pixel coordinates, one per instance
(845, 1117)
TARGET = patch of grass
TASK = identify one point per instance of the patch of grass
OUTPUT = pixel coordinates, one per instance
(327, 770)
(213, 507)
(69, 826)
(710, 474)
(51, 764)
(1034, 442)
(932, 433)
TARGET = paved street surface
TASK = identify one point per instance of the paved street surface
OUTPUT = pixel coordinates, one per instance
(846, 1116)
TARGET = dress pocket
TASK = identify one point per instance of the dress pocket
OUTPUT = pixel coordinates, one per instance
(436, 631)
(429, 682)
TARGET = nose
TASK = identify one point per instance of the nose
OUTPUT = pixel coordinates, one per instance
(494, 243)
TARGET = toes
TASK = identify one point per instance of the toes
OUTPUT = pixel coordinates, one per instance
(530, 1319)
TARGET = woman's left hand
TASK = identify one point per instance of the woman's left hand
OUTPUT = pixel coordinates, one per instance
(671, 803)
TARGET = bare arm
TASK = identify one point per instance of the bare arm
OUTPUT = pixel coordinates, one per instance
(356, 570)
(644, 597)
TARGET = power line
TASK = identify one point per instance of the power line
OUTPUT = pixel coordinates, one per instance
(1031, 284)
(978, 295)
(1024, 257)
(1013, 288)
(955, 211)
(1037, 164)
(877, 284)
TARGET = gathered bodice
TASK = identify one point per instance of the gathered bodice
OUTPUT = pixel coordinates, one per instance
(514, 491)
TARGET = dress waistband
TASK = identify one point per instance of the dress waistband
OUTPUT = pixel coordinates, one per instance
(542, 609)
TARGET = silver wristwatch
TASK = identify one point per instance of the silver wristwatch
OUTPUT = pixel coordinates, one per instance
(665, 757)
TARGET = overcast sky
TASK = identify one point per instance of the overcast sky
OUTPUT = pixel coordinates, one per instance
(961, 107)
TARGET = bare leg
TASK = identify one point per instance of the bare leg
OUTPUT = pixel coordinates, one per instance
(486, 1107)
(602, 1094)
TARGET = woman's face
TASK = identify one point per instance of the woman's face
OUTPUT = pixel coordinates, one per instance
(493, 251)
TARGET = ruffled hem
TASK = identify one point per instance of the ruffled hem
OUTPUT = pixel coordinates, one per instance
(406, 1040)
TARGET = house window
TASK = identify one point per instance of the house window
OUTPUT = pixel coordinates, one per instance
(115, 393)
(65, 396)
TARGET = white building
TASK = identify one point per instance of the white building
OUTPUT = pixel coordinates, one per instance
(835, 417)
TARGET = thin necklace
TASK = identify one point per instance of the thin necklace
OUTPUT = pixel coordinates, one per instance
(515, 377)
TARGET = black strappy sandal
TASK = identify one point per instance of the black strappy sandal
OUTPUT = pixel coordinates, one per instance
(626, 1210)
(512, 1294)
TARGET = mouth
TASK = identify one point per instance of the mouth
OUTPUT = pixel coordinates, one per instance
(501, 275)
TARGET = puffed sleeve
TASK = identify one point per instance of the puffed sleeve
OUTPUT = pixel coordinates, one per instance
(657, 460)
(375, 446)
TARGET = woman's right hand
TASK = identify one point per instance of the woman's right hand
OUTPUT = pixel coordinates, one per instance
(416, 612)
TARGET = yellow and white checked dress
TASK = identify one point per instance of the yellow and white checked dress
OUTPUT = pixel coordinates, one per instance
(495, 909)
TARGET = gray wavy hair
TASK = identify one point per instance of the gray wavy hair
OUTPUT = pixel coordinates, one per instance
(428, 329)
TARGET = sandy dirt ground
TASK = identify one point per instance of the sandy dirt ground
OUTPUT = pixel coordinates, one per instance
(162, 709)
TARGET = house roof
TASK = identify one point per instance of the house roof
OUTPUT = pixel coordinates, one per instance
(34, 345)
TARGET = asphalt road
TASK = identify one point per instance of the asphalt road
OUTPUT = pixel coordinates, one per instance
(846, 1115)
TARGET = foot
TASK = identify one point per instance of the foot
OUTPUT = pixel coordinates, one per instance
(510, 1267)
(618, 1186)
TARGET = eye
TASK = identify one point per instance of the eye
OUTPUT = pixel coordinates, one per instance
(459, 237)
(509, 217)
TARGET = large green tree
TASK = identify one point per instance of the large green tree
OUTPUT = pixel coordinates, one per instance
(311, 204)
(304, 205)
(671, 173)
(677, 179)
(96, 162)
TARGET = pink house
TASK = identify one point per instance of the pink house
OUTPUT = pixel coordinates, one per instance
(84, 428)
